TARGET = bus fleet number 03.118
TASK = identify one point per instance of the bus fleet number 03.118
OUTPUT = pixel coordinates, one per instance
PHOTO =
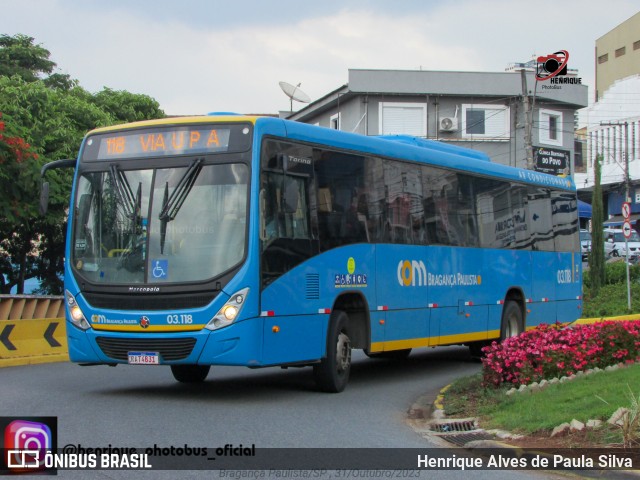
(179, 319)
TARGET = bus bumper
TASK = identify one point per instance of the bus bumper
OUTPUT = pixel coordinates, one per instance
(237, 344)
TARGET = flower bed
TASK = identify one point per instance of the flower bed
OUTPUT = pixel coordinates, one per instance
(554, 351)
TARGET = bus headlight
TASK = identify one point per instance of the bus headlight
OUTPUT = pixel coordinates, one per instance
(229, 311)
(77, 317)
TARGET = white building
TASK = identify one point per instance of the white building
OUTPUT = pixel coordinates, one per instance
(613, 131)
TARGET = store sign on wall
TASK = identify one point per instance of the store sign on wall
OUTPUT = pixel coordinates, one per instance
(551, 160)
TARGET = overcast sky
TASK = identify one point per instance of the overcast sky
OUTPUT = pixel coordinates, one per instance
(198, 56)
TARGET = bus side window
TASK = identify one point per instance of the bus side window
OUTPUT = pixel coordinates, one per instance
(269, 196)
(540, 225)
(294, 208)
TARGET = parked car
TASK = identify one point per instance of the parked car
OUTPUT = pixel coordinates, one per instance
(614, 243)
(585, 244)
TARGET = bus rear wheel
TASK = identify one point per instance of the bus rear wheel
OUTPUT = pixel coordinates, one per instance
(332, 373)
(512, 322)
(190, 373)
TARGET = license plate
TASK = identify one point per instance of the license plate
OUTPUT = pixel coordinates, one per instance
(144, 358)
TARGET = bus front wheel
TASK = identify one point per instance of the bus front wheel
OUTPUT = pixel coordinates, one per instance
(512, 322)
(190, 373)
(332, 373)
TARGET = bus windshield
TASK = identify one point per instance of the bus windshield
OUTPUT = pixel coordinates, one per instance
(123, 233)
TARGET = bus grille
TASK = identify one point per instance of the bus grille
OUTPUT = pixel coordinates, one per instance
(169, 349)
(147, 302)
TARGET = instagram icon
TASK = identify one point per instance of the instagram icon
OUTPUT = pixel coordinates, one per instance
(25, 444)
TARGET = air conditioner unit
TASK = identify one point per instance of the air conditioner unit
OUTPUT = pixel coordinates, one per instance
(448, 124)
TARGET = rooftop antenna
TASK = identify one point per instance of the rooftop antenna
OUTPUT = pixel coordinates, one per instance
(294, 93)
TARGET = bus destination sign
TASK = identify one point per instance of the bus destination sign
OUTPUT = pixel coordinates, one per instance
(158, 142)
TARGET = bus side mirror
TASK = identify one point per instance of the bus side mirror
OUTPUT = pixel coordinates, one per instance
(44, 189)
(44, 198)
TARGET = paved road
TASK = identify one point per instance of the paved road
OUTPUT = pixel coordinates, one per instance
(131, 406)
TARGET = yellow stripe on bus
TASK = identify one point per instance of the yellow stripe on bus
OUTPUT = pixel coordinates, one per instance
(150, 328)
(433, 341)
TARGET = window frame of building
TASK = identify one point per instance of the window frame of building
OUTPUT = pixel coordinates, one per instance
(504, 120)
(421, 132)
(621, 51)
(604, 58)
(335, 121)
(544, 128)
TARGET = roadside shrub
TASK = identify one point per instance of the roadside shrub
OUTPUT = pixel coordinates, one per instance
(615, 273)
(555, 351)
(611, 301)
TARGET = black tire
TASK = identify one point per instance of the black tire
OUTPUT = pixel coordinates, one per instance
(190, 373)
(512, 323)
(391, 355)
(332, 373)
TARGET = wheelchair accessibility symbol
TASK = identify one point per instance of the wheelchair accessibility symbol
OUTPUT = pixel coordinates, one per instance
(160, 268)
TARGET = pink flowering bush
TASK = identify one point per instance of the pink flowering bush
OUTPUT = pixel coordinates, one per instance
(554, 351)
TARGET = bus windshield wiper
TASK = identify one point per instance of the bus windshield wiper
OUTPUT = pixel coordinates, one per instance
(124, 193)
(171, 204)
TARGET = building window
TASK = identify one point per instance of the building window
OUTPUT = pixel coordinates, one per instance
(621, 51)
(550, 127)
(636, 45)
(334, 122)
(475, 121)
(603, 58)
(403, 119)
(553, 127)
(485, 121)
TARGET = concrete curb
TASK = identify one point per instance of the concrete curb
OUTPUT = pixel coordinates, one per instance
(22, 361)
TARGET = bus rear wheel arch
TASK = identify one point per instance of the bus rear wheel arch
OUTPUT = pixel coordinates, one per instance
(511, 323)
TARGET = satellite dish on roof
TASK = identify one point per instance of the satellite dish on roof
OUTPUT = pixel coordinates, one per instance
(294, 93)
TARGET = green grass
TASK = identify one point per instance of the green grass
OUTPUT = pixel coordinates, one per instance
(594, 396)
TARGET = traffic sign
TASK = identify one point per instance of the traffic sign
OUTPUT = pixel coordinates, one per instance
(626, 229)
(626, 210)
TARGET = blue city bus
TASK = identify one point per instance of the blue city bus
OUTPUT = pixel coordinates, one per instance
(256, 241)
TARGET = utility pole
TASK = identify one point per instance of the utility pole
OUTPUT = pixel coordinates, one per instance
(627, 195)
(528, 146)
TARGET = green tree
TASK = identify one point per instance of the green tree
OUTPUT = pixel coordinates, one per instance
(45, 118)
(125, 106)
(18, 171)
(596, 256)
(19, 56)
(53, 120)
